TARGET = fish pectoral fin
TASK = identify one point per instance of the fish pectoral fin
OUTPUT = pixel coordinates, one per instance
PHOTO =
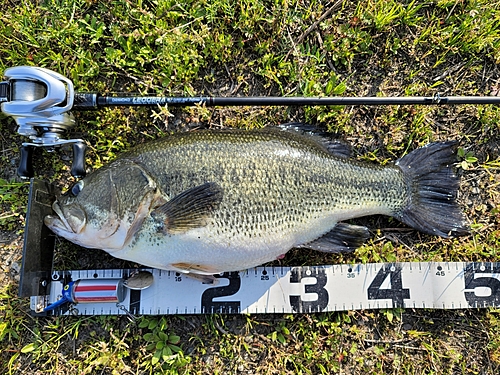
(335, 147)
(342, 238)
(190, 209)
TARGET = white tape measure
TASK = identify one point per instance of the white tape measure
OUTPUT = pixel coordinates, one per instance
(455, 285)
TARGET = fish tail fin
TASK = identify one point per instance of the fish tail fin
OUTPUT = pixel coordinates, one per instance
(432, 207)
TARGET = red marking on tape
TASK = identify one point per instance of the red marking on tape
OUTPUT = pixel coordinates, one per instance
(94, 288)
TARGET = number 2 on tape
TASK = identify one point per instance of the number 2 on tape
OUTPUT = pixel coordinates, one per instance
(208, 304)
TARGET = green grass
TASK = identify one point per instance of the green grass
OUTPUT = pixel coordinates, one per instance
(13, 198)
(266, 47)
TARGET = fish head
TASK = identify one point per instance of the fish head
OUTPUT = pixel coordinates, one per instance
(105, 209)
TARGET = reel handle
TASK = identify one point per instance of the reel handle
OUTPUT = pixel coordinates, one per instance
(25, 169)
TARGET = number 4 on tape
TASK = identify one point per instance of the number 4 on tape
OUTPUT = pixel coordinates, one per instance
(395, 292)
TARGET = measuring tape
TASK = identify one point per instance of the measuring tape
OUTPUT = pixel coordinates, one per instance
(453, 285)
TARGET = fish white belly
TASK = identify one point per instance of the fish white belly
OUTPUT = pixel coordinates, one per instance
(205, 251)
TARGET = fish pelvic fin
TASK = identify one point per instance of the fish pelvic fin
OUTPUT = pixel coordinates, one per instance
(342, 238)
(199, 272)
(190, 209)
(432, 207)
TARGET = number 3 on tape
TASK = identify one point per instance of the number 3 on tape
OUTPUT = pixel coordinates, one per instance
(321, 302)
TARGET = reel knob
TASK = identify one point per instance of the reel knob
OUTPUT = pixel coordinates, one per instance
(25, 169)
(78, 165)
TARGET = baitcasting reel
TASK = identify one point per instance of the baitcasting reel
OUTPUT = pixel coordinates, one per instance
(39, 100)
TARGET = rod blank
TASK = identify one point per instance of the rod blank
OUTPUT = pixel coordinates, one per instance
(87, 101)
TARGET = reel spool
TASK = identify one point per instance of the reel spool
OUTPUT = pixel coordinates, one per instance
(39, 100)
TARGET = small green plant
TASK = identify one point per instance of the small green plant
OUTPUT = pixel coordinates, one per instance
(466, 158)
(161, 342)
(280, 334)
(392, 314)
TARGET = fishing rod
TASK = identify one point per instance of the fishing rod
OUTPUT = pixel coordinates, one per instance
(40, 101)
(84, 101)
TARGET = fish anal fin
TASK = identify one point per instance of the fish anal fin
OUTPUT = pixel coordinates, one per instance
(342, 238)
(190, 209)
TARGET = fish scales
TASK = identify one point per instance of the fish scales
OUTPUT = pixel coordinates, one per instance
(271, 182)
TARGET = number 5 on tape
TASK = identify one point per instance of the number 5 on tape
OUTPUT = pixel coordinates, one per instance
(482, 286)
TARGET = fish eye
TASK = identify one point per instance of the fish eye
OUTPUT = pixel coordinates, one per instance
(77, 188)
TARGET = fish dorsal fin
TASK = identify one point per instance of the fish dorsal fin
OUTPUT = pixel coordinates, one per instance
(342, 238)
(190, 209)
(334, 146)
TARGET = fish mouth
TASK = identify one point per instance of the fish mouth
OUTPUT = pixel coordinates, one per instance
(59, 223)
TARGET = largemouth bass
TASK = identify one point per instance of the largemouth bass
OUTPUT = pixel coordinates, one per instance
(213, 201)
